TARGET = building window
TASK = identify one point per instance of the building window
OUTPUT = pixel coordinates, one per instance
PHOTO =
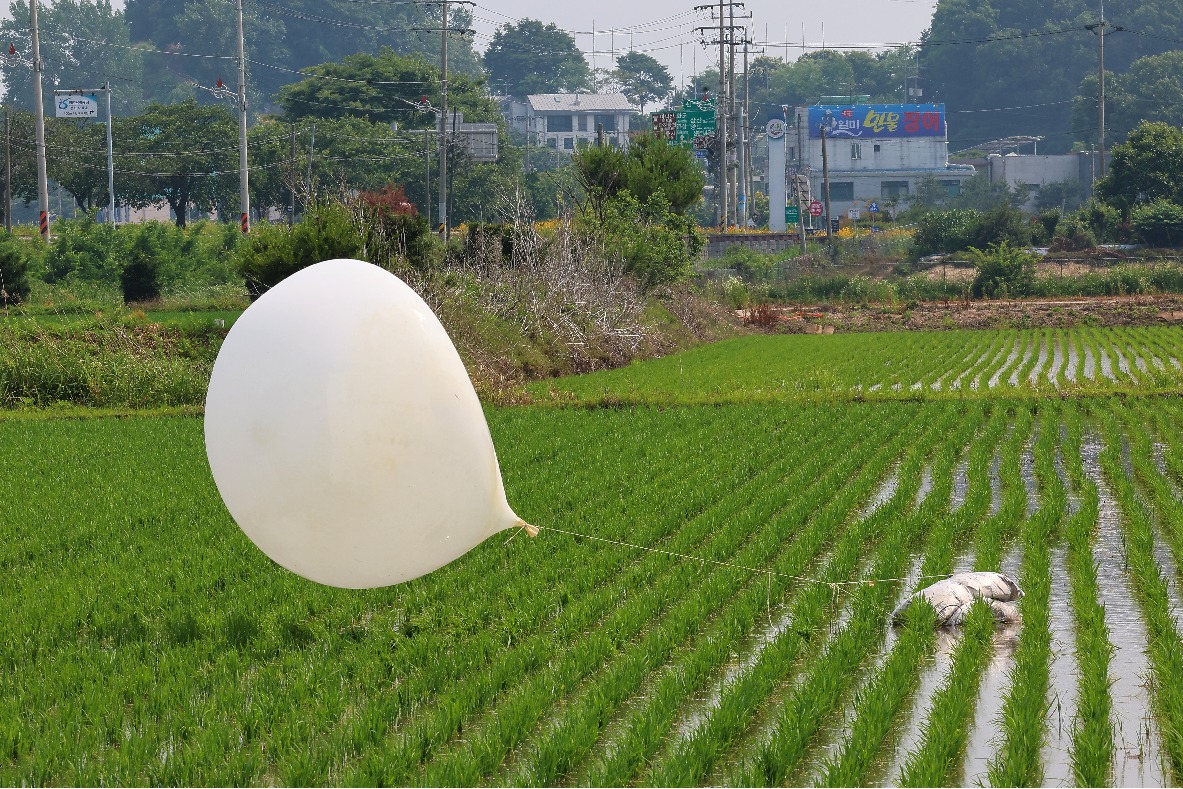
(607, 121)
(582, 123)
(559, 123)
(552, 142)
(856, 150)
(841, 190)
(878, 147)
(792, 153)
(952, 188)
(569, 143)
(892, 189)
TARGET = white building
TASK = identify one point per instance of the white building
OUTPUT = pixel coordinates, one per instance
(876, 152)
(564, 121)
(1028, 173)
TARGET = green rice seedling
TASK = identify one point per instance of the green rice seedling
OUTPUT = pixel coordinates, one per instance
(694, 757)
(1165, 641)
(613, 682)
(571, 663)
(1092, 750)
(640, 731)
(1023, 711)
(824, 684)
(936, 762)
(876, 705)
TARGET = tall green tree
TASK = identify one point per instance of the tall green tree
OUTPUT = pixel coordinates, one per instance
(1147, 167)
(384, 88)
(642, 78)
(1152, 90)
(283, 39)
(532, 57)
(84, 44)
(184, 154)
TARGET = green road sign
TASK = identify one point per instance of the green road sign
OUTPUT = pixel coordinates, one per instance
(792, 214)
(692, 124)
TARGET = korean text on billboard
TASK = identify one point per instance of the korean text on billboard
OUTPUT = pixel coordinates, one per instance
(864, 121)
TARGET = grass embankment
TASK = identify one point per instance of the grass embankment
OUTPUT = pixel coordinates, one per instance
(134, 358)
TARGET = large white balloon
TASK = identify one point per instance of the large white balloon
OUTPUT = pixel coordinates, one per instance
(344, 434)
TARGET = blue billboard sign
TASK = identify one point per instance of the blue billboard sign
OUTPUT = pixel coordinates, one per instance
(867, 121)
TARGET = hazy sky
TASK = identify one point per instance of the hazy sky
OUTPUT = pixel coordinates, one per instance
(658, 27)
(665, 28)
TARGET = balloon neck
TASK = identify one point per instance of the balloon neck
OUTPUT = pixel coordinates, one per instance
(531, 530)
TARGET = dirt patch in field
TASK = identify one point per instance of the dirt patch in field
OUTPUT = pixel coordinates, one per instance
(993, 314)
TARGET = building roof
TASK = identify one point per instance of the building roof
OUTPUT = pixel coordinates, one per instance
(580, 102)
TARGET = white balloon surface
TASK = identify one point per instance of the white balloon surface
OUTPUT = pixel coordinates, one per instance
(345, 435)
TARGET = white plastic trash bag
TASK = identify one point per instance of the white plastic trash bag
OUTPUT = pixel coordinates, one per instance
(953, 597)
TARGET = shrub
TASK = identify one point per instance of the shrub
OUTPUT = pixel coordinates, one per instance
(1160, 223)
(748, 263)
(393, 234)
(140, 279)
(1003, 271)
(1002, 224)
(14, 272)
(272, 253)
(944, 231)
(1073, 234)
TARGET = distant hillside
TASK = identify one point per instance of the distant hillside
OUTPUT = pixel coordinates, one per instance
(1013, 67)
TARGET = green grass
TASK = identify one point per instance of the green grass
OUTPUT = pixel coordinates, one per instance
(147, 641)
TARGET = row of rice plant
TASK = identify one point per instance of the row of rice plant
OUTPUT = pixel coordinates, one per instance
(877, 366)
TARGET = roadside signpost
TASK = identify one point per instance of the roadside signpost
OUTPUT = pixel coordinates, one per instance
(792, 215)
(815, 208)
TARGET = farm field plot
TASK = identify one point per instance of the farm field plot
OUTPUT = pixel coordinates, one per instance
(147, 641)
(955, 364)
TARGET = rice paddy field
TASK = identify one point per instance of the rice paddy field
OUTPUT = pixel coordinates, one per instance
(724, 535)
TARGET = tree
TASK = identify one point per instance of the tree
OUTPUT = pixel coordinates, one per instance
(290, 37)
(1147, 167)
(600, 170)
(642, 78)
(77, 159)
(383, 88)
(84, 43)
(530, 57)
(182, 153)
(1160, 223)
(1151, 90)
(650, 166)
(653, 165)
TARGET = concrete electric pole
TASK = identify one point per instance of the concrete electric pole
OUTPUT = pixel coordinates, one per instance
(244, 194)
(39, 111)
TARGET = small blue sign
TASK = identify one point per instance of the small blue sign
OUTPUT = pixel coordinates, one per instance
(873, 208)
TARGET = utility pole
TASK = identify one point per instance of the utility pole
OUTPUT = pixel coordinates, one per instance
(7, 172)
(110, 157)
(244, 194)
(746, 143)
(443, 209)
(39, 107)
(1099, 29)
(292, 174)
(826, 180)
(722, 106)
(721, 113)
